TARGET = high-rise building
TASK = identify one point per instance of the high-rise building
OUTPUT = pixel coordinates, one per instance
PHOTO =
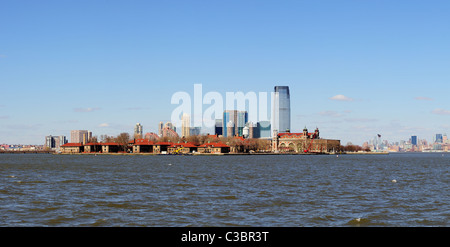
(439, 138)
(414, 140)
(185, 125)
(54, 142)
(160, 128)
(264, 129)
(238, 120)
(80, 136)
(138, 131)
(281, 114)
(219, 127)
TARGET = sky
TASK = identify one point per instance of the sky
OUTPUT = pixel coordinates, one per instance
(355, 69)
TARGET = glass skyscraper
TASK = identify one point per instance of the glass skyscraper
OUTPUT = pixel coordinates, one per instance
(281, 115)
(234, 118)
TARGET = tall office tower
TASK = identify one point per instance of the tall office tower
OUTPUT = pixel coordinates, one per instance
(414, 140)
(185, 125)
(160, 128)
(237, 118)
(80, 136)
(219, 127)
(439, 138)
(138, 131)
(281, 114)
(264, 128)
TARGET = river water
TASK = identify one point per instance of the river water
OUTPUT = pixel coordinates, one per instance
(239, 190)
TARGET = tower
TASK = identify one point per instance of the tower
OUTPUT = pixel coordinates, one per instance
(281, 109)
(138, 131)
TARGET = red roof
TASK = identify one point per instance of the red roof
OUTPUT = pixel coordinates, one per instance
(143, 142)
(185, 145)
(110, 144)
(293, 134)
(72, 145)
(93, 144)
(214, 144)
(163, 143)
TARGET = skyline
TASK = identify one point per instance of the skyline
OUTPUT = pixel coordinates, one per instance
(354, 69)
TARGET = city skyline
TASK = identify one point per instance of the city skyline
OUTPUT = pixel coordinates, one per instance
(354, 69)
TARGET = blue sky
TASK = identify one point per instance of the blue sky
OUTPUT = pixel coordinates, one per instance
(106, 65)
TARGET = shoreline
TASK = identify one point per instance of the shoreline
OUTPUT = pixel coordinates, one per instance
(226, 154)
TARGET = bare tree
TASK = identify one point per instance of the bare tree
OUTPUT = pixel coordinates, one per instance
(122, 139)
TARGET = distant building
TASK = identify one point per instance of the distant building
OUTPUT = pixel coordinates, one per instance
(138, 130)
(281, 114)
(238, 120)
(80, 136)
(194, 131)
(303, 142)
(414, 140)
(169, 130)
(54, 142)
(218, 127)
(439, 138)
(185, 125)
(264, 129)
(160, 128)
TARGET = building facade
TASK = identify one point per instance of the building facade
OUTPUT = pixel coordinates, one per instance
(185, 125)
(303, 143)
(54, 142)
(138, 130)
(236, 119)
(80, 136)
(281, 113)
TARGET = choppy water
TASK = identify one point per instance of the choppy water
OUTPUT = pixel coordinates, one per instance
(263, 190)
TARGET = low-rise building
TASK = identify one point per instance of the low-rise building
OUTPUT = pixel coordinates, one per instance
(184, 148)
(72, 148)
(213, 147)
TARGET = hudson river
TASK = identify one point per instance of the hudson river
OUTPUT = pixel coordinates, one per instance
(243, 190)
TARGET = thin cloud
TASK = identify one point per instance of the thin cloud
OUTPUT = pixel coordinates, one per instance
(104, 125)
(341, 97)
(441, 112)
(89, 109)
(424, 98)
(330, 114)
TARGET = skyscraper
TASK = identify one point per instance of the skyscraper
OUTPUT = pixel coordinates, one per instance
(138, 131)
(185, 125)
(237, 119)
(281, 115)
(80, 136)
(414, 140)
(160, 129)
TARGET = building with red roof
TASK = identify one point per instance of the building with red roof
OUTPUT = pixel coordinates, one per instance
(213, 147)
(183, 147)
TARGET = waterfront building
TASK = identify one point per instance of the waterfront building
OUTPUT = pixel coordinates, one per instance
(138, 131)
(213, 148)
(238, 120)
(281, 109)
(303, 142)
(185, 125)
(72, 148)
(80, 136)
